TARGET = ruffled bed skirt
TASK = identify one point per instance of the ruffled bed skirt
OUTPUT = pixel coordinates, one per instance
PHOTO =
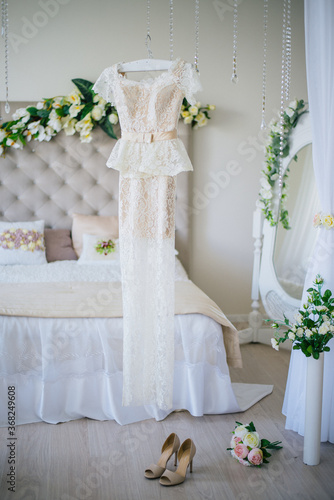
(66, 369)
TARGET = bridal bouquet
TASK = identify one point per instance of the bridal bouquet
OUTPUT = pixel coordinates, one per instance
(314, 326)
(248, 448)
(105, 247)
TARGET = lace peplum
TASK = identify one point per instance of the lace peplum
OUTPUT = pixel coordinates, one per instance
(149, 106)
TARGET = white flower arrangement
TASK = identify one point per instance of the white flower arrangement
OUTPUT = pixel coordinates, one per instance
(79, 112)
(314, 325)
(270, 173)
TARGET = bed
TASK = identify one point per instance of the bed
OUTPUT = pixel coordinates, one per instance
(61, 320)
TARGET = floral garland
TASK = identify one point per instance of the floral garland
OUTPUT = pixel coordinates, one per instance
(79, 112)
(272, 163)
(314, 326)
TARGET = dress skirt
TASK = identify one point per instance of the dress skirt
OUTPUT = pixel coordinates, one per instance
(147, 249)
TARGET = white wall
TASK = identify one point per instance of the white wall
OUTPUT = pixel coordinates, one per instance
(78, 38)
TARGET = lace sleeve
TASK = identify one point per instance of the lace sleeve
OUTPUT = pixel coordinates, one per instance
(104, 85)
(190, 83)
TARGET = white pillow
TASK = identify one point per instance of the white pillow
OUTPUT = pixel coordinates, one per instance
(90, 250)
(22, 243)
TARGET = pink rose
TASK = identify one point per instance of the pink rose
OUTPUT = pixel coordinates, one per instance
(255, 456)
(241, 451)
(235, 440)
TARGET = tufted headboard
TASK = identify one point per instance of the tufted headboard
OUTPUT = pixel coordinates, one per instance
(52, 180)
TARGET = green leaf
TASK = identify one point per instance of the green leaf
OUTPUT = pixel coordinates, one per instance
(107, 127)
(86, 109)
(85, 88)
(316, 354)
(32, 110)
(265, 461)
(326, 348)
(265, 453)
(251, 427)
(264, 443)
(43, 113)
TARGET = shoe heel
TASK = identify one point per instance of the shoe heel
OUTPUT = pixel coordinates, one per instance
(191, 466)
(175, 461)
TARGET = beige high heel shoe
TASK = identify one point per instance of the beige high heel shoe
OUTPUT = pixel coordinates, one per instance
(170, 446)
(185, 456)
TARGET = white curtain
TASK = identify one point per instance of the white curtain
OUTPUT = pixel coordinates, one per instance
(319, 37)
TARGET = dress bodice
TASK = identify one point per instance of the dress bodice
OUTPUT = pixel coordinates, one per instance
(149, 106)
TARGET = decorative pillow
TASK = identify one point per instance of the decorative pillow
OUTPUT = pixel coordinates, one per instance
(94, 225)
(22, 243)
(98, 249)
(58, 244)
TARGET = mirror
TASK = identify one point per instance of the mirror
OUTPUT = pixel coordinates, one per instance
(280, 255)
(294, 246)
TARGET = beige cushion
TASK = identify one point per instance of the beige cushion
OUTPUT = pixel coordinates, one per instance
(92, 224)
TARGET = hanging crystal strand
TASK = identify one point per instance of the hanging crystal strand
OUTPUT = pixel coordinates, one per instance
(288, 51)
(234, 77)
(4, 33)
(196, 35)
(283, 94)
(264, 67)
(171, 30)
(148, 30)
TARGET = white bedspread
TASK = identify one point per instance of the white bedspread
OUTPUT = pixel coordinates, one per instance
(68, 368)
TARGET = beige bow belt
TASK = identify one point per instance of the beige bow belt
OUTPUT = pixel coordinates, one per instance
(148, 137)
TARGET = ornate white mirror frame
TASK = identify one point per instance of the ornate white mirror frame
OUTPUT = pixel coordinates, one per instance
(265, 284)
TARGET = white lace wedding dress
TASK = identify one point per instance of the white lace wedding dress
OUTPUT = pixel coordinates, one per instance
(149, 156)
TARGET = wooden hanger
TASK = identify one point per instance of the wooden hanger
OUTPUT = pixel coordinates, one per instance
(145, 65)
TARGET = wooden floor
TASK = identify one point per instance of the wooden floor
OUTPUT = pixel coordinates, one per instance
(86, 459)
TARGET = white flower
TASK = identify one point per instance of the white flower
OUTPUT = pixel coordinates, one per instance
(54, 121)
(1, 150)
(276, 129)
(293, 104)
(193, 110)
(300, 332)
(321, 308)
(264, 183)
(324, 328)
(85, 124)
(33, 127)
(68, 125)
(97, 112)
(252, 439)
(188, 119)
(3, 134)
(260, 204)
(298, 318)
(57, 101)
(202, 122)
(40, 105)
(199, 117)
(28, 135)
(113, 118)
(274, 344)
(292, 336)
(85, 136)
(21, 114)
(274, 177)
(290, 112)
(266, 194)
(212, 107)
(75, 110)
(99, 100)
(308, 333)
(240, 431)
(73, 97)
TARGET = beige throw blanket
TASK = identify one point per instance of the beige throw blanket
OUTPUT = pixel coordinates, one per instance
(104, 300)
